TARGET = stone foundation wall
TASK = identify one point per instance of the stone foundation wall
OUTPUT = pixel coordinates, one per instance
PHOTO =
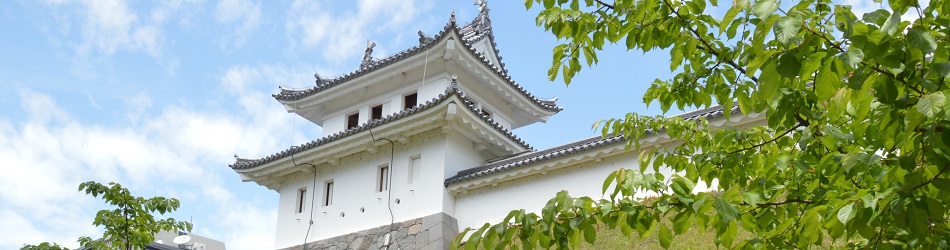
(430, 232)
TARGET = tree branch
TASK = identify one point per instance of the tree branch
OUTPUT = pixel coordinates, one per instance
(604, 4)
(876, 69)
(706, 46)
(942, 170)
(800, 124)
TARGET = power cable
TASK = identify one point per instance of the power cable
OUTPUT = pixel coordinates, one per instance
(389, 181)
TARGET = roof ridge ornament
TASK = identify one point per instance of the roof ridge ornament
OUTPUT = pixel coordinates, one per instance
(319, 80)
(424, 39)
(368, 54)
(484, 24)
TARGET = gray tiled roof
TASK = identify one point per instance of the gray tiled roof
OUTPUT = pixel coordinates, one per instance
(524, 159)
(244, 163)
(469, 34)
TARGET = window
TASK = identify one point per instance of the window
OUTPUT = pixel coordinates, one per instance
(301, 199)
(409, 100)
(415, 167)
(328, 193)
(377, 112)
(382, 178)
(485, 112)
(352, 121)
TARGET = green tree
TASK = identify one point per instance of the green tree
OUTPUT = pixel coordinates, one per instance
(44, 246)
(855, 147)
(130, 225)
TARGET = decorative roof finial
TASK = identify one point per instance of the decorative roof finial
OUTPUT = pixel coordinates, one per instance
(452, 18)
(482, 5)
(423, 38)
(317, 77)
(368, 54)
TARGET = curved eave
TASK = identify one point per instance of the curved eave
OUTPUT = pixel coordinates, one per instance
(591, 149)
(450, 30)
(425, 115)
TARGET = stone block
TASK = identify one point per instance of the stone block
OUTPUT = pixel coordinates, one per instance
(414, 229)
(358, 243)
(422, 238)
(432, 220)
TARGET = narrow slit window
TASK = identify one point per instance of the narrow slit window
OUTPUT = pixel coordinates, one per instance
(352, 121)
(409, 100)
(328, 194)
(382, 179)
(377, 112)
(301, 199)
(415, 165)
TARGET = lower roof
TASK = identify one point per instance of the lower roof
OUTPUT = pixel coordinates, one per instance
(517, 161)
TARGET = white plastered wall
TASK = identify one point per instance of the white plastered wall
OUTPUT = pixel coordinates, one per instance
(493, 203)
(335, 121)
(355, 180)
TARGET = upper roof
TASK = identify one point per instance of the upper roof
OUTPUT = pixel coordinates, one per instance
(452, 90)
(475, 31)
(516, 161)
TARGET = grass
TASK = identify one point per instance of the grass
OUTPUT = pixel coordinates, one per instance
(694, 238)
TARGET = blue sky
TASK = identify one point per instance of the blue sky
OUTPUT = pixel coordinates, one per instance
(159, 96)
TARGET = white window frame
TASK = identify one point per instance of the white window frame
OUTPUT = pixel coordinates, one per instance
(328, 187)
(301, 200)
(383, 173)
(414, 168)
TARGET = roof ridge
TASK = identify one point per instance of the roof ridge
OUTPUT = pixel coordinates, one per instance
(326, 83)
(453, 89)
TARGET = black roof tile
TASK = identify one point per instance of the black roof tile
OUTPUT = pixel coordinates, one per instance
(244, 163)
(527, 158)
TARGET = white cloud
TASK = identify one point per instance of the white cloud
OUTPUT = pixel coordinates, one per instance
(107, 27)
(337, 35)
(180, 152)
(244, 15)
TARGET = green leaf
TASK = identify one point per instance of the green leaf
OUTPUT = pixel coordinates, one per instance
(590, 234)
(682, 222)
(608, 181)
(789, 66)
(730, 15)
(751, 198)
(844, 214)
(890, 26)
(681, 186)
(786, 28)
(853, 57)
(764, 8)
(921, 39)
(666, 238)
(942, 68)
(932, 104)
(725, 209)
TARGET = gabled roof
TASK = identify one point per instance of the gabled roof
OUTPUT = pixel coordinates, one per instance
(478, 29)
(528, 158)
(452, 90)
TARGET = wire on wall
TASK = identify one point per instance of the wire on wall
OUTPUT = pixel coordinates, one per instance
(312, 197)
(389, 182)
(313, 188)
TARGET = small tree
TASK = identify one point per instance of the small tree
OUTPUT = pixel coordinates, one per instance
(44, 246)
(856, 145)
(131, 224)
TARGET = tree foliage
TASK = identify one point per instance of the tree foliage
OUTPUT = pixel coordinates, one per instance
(853, 146)
(130, 225)
(44, 246)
